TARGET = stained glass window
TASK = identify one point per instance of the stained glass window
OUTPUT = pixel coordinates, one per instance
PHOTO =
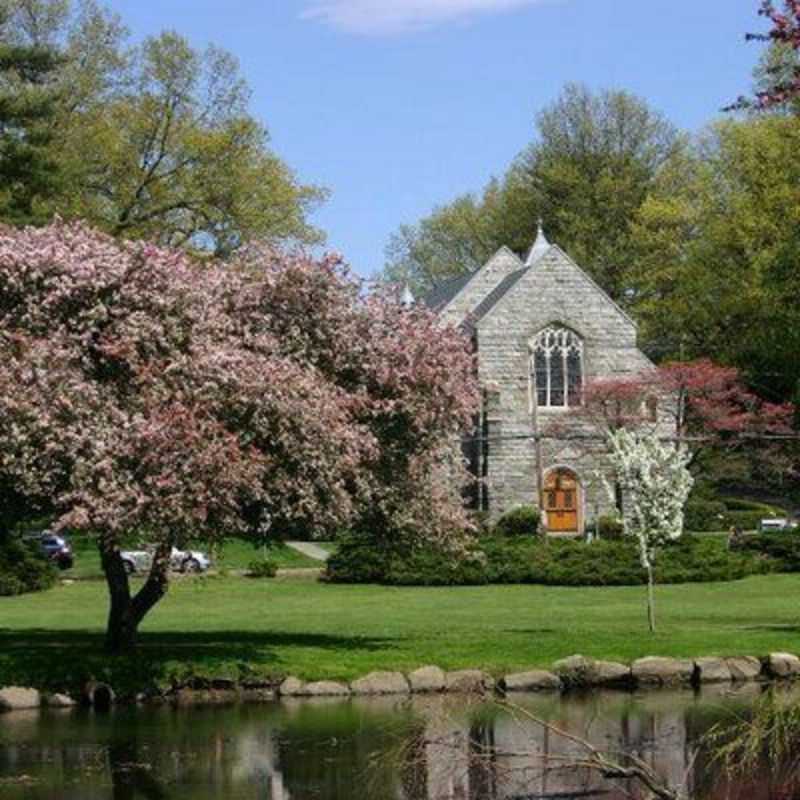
(557, 365)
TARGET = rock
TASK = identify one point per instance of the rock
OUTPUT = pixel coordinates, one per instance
(59, 701)
(17, 698)
(325, 689)
(783, 665)
(534, 681)
(381, 683)
(257, 695)
(744, 668)
(712, 670)
(610, 673)
(575, 671)
(427, 679)
(468, 681)
(291, 687)
(654, 671)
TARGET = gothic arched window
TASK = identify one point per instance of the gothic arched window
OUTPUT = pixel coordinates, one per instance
(557, 365)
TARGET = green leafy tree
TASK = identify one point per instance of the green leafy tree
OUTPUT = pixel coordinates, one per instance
(28, 172)
(717, 241)
(586, 174)
(157, 141)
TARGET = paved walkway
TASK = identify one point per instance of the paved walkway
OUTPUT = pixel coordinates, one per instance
(310, 549)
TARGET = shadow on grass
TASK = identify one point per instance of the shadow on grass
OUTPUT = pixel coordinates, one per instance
(65, 660)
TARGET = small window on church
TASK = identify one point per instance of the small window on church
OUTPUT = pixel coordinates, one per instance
(557, 365)
(652, 408)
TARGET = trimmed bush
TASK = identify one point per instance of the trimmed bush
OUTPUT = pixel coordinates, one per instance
(262, 568)
(551, 562)
(610, 528)
(702, 515)
(745, 520)
(24, 569)
(357, 560)
(781, 550)
(520, 521)
(739, 504)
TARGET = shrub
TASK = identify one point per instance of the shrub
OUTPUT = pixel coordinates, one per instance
(781, 550)
(740, 504)
(520, 521)
(262, 568)
(703, 515)
(358, 559)
(609, 527)
(551, 562)
(24, 569)
(745, 520)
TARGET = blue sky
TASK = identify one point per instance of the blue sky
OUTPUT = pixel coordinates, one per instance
(399, 105)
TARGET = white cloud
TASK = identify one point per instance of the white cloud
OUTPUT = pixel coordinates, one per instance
(397, 16)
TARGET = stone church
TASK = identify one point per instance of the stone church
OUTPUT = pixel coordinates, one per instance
(540, 329)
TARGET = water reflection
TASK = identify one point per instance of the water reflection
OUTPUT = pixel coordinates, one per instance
(381, 749)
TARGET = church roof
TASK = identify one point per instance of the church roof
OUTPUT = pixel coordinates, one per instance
(491, 299)
(442, 294)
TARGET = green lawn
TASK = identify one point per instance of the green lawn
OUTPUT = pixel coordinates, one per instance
(235, 555)
(234, 625)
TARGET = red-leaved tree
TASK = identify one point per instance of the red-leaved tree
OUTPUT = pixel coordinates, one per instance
(143, 395)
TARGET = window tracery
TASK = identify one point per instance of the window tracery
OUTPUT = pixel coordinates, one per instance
(557, 366)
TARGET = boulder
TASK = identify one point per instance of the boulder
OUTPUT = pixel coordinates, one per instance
(427, 679)
(17, 698)
(59, 701)
(468, 681)
(534, 681)
(745, 668)
(257, 695)
(655, 671)
(610, 673)
(381, 683)
(325, 689)
(574, 671)
(291, 687)
(712, 670)
(783, 665)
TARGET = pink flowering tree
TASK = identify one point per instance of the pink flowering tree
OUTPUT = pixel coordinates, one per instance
(145, 395)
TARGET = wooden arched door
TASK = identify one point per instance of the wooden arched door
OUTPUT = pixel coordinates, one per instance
(561, 501)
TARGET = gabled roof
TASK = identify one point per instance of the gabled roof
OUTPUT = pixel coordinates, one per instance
(442, 294)
(499, 291)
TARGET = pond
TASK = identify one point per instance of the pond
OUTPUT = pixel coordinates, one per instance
(437, 748)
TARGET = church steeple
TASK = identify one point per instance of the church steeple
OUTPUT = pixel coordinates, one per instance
(540, 246)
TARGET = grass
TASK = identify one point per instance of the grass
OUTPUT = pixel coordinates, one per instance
(299, 626)
(235, 555)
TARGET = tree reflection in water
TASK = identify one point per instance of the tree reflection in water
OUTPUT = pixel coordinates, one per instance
(434, 748)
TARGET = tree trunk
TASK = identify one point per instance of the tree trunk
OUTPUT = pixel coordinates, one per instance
(651, 600)
(126, 612)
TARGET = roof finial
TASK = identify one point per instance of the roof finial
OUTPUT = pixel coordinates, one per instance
(407, 297)
(540, 246)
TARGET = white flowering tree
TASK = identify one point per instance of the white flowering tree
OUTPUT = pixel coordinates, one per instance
(655, 483)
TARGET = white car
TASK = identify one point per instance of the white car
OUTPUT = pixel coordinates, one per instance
(138, 561)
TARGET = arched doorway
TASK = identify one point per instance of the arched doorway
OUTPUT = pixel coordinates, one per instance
(562, 501)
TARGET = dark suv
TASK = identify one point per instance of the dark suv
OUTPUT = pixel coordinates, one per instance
(55, 547)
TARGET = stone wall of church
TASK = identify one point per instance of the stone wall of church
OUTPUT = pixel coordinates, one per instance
(554, 291)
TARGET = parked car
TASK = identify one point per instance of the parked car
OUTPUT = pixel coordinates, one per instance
(139, 561)
(55, 547)
(777, 525)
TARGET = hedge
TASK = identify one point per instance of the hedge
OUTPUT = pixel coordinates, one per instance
(782, 550)
(552, 562)
(23, 568)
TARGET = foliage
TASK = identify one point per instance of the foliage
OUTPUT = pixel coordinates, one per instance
(549, 562)
(704, 515)
(143, 393)
(23, 569)
(716, 266)
(262, 568)
(156, 140)
(781, 84)
(520, 521)
(609, 527)
(28, 173)
(586, 174)
(782, 549)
